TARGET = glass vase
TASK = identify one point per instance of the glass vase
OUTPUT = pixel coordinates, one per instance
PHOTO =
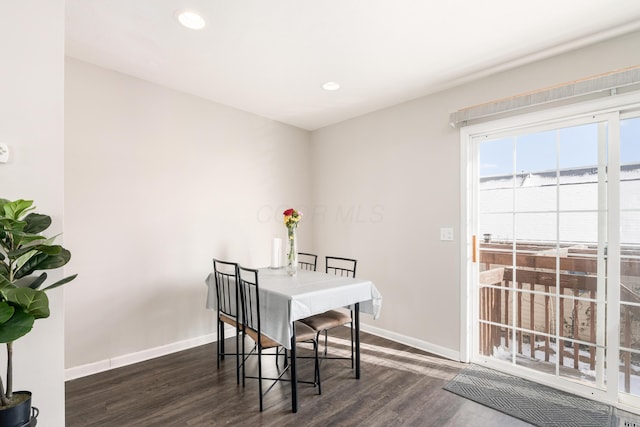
(292, 254)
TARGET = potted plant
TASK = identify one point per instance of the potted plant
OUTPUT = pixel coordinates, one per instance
(23, 251)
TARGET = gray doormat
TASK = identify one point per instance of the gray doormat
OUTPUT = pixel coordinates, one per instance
(531, 402)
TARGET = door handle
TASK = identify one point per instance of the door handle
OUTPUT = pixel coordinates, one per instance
(474, 249)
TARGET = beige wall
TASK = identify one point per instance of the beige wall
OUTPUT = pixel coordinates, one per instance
(401, 167)
(157, 183)
(31, 123)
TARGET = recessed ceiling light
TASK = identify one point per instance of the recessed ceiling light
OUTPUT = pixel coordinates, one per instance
(331, 86)
(190, 19)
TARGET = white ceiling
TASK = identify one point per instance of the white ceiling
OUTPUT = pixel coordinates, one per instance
(270, 57)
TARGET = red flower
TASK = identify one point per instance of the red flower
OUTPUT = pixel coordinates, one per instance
(288, 212)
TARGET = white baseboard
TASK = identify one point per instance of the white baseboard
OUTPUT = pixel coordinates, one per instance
(141, 356)
(412, 342)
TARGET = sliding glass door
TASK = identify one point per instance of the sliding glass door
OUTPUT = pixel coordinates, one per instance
(629, 366)
(556, 220)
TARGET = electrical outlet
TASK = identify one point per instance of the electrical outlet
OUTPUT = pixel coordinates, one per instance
(628, 423)
(4, 153)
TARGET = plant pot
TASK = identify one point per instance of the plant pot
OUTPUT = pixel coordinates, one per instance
(21, 415)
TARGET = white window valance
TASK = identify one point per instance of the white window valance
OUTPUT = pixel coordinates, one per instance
(605, 84)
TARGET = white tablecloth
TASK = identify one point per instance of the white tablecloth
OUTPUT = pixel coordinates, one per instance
(285, 298)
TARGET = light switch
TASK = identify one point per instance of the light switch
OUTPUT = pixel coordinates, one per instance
(446, 233)
(4, 153)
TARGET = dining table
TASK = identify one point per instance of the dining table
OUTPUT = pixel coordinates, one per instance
(285, 298)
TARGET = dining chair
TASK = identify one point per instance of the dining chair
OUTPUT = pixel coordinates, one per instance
(321, 323)
(307, 261)
(251, 327)
(226, 279)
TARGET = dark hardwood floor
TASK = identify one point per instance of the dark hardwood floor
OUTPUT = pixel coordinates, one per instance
(400, 386)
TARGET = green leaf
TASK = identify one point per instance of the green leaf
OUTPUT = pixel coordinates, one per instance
(12, 225)
(4, 269)
(21, 238)
(32, 301)
(6, 311)
(43, 261)
(32, 282)
(17, 326)
(61, 282)
(4, 282)
(26, 259)
(45, 248)
(37, 223)
(49, 249)
(16, 209)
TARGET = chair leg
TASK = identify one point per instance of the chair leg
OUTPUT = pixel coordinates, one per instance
(325, 342)
(317, 366)
(221, 340)
(244, 361)
(260, 374)
(238, 356)
(218, 345)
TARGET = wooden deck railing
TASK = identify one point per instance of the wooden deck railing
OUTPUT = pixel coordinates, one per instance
(578, 323)
(534, 282)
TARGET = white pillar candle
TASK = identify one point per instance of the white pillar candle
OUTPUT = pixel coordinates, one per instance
(276, 250)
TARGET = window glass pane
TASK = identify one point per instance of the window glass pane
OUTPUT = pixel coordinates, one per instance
(496, 158)
(629, 373)
(579, 196)
(630, 275)
(630, 341)
(535, 311)
(540, 227)
(630, 227)
(497, 227)
(630, 190)
(536, 152)
(630, 141)
(578, 316)
(496, 200)
(578, 147)
(492, 299)
(496, 341)
(536, 198)
(579, 361)
(579, 227)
